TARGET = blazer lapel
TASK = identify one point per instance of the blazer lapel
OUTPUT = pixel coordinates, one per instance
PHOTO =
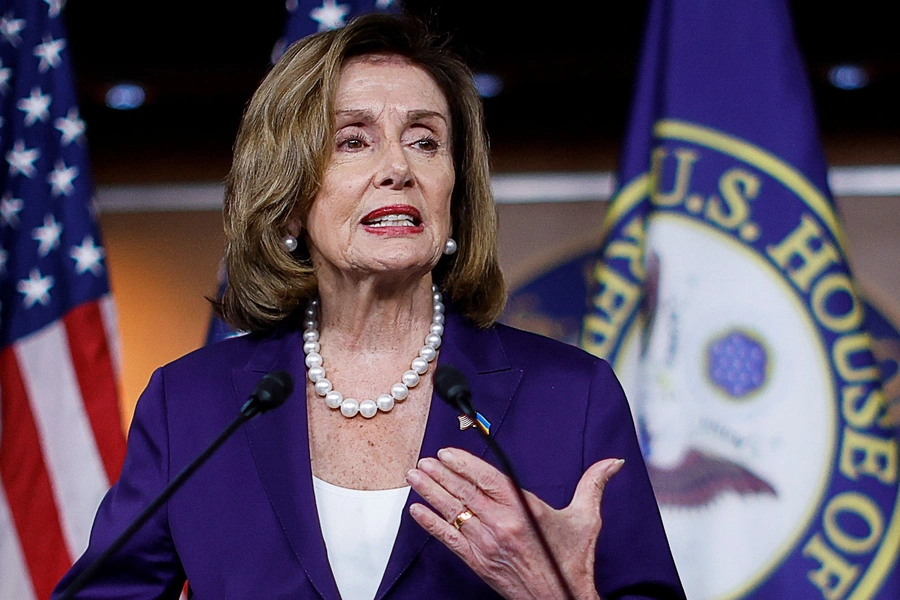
(479, 355)
(280, 448)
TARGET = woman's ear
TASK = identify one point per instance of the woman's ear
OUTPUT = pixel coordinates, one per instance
(294, 227)
(294, 241)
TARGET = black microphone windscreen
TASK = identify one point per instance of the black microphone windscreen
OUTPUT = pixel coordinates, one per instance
(451, 386)
(273, 390)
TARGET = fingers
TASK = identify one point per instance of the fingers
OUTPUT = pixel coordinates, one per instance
(589, 492)
(457, 479)
(497, 542)
(442, 530)
(477, 472)
(439, 487)
(441, 483)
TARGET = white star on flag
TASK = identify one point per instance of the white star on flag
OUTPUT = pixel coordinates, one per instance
(55, 7)
(20, 159)
(88, 256)
(71, 127)
(61, 178)
(35, 289)
(5, 72)
(47, 235)
(10, 29)
(48, 52)
(36, 107)
(9, 210)
(330, 15)
(383, 4)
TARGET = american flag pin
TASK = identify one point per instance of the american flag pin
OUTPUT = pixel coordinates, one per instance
(465, 422)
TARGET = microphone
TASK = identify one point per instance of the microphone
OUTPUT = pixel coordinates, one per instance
(271, 392)
(451, 387)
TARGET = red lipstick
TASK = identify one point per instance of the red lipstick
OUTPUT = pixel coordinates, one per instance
(393, 220)
(393, 209)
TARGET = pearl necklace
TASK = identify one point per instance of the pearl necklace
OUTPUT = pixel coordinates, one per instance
(368, 408)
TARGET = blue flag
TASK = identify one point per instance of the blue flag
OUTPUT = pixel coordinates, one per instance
(724, 299)
(305, 17)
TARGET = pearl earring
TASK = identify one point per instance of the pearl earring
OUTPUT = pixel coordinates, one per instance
(450, 246)
(289, 242)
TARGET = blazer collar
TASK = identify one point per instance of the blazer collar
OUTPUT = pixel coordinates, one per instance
(280, 445)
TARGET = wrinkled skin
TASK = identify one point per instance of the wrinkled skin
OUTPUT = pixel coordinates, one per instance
(498, 543)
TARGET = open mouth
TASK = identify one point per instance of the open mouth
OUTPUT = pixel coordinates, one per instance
(392, 221)
(400, 215)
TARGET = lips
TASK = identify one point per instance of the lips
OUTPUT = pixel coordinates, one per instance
(393, 219)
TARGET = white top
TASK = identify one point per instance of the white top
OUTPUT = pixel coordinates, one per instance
(360, 528)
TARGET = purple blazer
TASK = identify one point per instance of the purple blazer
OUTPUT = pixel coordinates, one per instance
(245, 526)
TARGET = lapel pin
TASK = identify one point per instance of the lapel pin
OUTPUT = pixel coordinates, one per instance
(466, 422)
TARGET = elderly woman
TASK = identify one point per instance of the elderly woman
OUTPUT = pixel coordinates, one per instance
(362, 252)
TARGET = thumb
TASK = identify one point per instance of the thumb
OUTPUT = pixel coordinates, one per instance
(589, 491)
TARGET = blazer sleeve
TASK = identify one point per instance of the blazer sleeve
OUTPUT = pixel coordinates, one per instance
(633, 556)
(147, 566)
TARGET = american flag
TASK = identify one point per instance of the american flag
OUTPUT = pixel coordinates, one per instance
(306, 17)
(61, 441)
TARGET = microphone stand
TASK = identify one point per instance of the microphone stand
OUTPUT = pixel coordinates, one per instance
(262, 399)
(451, 386)
(507, 466)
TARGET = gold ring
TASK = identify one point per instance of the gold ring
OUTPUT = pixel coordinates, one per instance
(462, 518)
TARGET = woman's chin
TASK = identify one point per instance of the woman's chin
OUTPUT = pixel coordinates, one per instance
(401, 255)
(397, 265)
(408, 269)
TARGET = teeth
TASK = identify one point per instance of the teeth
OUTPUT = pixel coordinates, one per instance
(393, 221)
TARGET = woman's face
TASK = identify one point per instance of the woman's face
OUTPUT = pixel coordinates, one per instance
(384, 204)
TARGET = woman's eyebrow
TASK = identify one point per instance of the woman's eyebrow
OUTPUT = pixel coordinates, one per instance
(416, 115)
(361, 114)
(365, 114)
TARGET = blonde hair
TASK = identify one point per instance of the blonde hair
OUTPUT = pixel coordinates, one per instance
(283, 146)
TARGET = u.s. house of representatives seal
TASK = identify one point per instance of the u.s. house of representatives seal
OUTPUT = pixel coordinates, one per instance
(740, 341)
(724, 301)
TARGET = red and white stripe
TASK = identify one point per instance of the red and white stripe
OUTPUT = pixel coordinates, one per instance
(61, 445)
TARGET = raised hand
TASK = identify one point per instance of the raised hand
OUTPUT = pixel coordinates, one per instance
(478, 516)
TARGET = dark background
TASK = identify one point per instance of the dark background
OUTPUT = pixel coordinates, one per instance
(200, 62)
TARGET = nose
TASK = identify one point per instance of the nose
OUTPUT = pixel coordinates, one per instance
(395, 169)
